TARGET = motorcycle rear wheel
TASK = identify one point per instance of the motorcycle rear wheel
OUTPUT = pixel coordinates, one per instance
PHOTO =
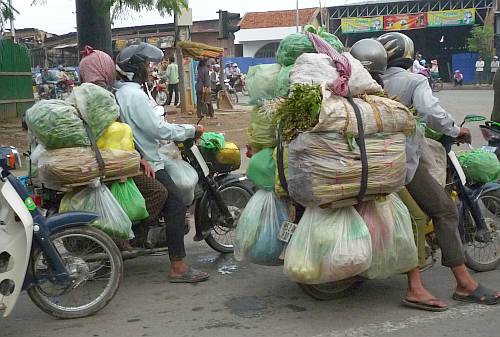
(437, 86)
(236, 197)
(332, 290)
(483, 256)
(89, 267)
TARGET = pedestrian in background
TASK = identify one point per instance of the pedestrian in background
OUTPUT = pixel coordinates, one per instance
(203, 91)
(479, 71)
(172, 74)
(495, 64)
(458, 78)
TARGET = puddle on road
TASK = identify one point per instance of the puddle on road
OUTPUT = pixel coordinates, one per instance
(246, 306)
(224, 264)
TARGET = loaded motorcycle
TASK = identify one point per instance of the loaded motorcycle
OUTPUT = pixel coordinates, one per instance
(68, 268)
(479, 224)
(220, 197)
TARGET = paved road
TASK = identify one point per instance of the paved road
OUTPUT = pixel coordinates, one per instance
(248, 300)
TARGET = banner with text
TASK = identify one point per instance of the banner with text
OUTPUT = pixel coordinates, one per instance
(362, 25)
(405, 21)
(457, 17)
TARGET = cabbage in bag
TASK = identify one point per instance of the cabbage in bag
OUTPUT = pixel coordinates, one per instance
(394, 249)
(55, 124)
(261, 82)
(480, 166)
(258, 228)
(261, 169)
(328, 245)
(99, 199)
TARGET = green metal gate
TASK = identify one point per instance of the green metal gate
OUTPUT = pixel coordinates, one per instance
(16, 83)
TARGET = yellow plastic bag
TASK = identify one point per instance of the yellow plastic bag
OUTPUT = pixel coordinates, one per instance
(118, 136)
(229, 155)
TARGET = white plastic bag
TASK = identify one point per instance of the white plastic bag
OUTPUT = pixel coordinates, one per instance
(320, 68)
(434, 158)
(98, 199)
(168, 149)
(394, 249)
(185, 178)
(258, 228)
(328, 245)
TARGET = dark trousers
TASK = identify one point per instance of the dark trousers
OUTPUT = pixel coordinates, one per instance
(438, 205)
(173, 89)
(175, 216)
(203, 109)
(458, 83)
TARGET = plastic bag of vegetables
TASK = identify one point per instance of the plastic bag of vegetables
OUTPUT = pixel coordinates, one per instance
(258, 228)
(480, 166)
(394, 249)
(283, 81)
(98, 199)
(294, 45)
(328, 245)
(261, 169)
(262, 130)
(56, 124)
(117, 136)
(128, 196)
(96, 105)
(184, 176)
(261, 82)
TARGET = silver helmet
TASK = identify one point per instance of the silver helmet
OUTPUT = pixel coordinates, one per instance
(371, 54)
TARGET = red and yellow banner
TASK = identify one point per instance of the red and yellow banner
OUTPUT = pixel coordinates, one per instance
(405, 21)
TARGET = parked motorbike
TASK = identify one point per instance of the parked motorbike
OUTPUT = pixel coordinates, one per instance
(239, 85)
(68, 268)
(159, 92)
(479, 224)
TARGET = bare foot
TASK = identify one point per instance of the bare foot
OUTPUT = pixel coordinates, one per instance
(178, 268)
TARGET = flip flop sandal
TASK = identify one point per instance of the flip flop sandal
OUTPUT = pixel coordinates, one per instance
(424, 306)
(481, 295)
(191, 276)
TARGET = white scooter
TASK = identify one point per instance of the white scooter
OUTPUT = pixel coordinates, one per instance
(68, 268)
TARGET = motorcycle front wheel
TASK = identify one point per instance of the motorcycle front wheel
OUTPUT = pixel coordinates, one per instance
(483, 256)
(332, 290)
(221, 238)
(95, 266)
(161, 98)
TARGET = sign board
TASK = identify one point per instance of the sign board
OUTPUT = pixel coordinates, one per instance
(405, 21)
(120, 44)
(362, 25)
(185, 17)
(457, 17)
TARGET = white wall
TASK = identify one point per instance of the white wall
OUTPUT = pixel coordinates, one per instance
(254, 39)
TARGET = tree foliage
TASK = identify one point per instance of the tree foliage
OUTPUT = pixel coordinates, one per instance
(481, 41)
(7, 12)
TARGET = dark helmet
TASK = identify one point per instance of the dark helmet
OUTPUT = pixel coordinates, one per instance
(131, 61)
(371, 54)
(400, 49)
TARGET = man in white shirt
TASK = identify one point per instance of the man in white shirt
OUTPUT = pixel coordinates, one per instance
(417, 66)
(495, 64)
(479, 71)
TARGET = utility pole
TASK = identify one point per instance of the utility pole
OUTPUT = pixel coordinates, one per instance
(297, 20)
(182, 34)
(12, 29)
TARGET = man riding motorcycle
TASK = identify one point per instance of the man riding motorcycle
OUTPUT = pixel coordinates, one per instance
(137, 111)
(414, 90)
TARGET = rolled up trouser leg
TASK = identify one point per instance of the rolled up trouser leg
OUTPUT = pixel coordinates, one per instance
(438, 205)
(419, 221)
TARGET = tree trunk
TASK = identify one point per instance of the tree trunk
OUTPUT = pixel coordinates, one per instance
(93, 26)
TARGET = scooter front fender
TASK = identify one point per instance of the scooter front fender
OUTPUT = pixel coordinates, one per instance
(15, 246)
(483, 189)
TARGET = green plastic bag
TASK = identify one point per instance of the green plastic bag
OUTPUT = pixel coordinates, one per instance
(261, 169)
(294, 45)
(56, 125)
(480, 166)
(283, 82)
(99, 199)
(261, 82)
(212, 141)
(262, 131)
(128, 196)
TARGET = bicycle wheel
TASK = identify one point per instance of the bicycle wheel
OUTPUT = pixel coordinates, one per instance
(95, 267)
(483, 256)
(236, 197)
(234, 98)
(437, 86)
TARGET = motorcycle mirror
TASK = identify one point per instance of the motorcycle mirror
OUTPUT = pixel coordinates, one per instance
(199, 120)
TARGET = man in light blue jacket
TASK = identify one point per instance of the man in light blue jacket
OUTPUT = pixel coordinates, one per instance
(137, 110)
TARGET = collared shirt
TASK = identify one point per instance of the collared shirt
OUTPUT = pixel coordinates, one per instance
(412, 90)
(137, 111)
(172, 73)
(494, 66)
(479, 65)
